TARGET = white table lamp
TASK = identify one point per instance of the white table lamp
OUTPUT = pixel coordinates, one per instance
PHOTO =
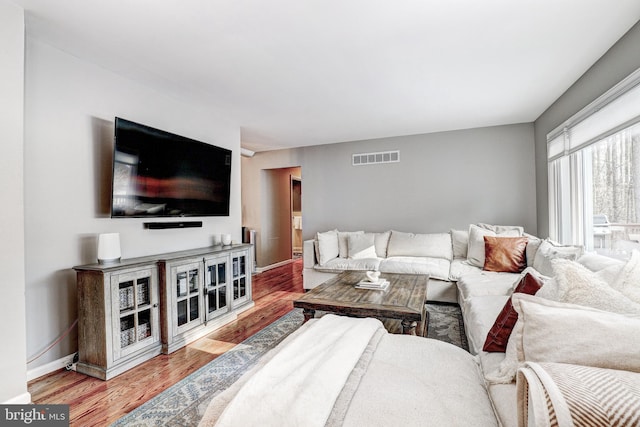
(109, 248)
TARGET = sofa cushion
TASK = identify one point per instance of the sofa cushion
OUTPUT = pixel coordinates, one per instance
(362, 246)
(433, 245)
(382, 242)
(459, 243)
(479, 316)
(475, 250)
(460, 267)
(338, 265)
(327, 246)
(436, 268)
(487, 283)
(498, 335)
(343, 242)
(505, 254)
(550, 250)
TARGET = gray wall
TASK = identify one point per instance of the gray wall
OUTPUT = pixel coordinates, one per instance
(443, 181)
(13, 358)
(620, 61)
(70, 106)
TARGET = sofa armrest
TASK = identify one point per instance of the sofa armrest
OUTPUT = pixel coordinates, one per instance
(309, 253)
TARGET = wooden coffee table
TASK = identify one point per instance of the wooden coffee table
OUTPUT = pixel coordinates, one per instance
(404, 299)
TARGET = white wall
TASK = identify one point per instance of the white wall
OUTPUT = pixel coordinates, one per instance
(443, 181)
(621, 59)
(13, 366)
(70, 108)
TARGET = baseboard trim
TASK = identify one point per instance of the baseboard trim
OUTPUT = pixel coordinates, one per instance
(39, 371)
(21, 399)
(272, 266)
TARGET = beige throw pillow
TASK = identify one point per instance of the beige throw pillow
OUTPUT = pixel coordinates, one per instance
(362, 246)
(549, 250)
(460, 243)
(550, 331)
(328, 247)
(343, 242)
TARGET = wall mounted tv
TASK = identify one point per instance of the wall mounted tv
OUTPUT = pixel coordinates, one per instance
(160, 174)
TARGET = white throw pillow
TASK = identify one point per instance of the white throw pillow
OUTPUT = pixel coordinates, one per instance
(549, 250)
(382, 242)
(431, 245)
(579, 285)
(475, 250)
(501, 229)
(567, 333)
(533, 244)
(362, 246)
(328, 247)
(549, 331)
(628, 281)
(460, 243)
(343, 243)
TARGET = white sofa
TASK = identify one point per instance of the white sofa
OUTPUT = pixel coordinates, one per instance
(586, 284)
(443, 256)
(582, 325)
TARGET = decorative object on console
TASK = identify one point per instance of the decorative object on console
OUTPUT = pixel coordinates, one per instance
(109, 248)
(225, 238)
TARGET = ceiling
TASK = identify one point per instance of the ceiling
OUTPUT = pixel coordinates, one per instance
(292, 73)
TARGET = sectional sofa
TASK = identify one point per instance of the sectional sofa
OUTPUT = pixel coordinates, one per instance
(491, 272)
(445, 257)
(553, 336)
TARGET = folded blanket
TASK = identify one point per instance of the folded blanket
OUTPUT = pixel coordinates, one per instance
(558, 394)
(300, 384)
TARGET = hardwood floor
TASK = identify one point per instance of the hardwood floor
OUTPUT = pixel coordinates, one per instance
(95, 402)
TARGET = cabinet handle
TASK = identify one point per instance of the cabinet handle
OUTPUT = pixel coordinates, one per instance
(155, 305)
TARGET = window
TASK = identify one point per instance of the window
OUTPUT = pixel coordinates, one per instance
(594, 174)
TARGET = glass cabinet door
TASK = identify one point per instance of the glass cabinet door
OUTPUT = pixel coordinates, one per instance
(135, 306)
(241, 277)
(186, 283)
(216, 285)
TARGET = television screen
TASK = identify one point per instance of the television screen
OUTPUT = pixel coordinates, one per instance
(160, 174)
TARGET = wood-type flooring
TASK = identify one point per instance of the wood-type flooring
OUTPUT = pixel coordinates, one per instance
(94, 402)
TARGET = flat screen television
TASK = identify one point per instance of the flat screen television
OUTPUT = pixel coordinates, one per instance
(160, 174)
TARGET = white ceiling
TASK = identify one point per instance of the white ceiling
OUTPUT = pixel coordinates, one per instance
(305, 72)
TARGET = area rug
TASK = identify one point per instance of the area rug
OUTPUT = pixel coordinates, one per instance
(184, 403)
(445, 324)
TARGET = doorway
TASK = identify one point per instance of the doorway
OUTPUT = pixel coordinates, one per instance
(296, 216)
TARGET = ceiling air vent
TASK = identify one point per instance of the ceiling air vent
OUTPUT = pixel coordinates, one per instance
(375, 158)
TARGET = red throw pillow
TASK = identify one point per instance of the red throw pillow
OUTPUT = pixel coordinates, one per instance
(505, 254)
(498, 336)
